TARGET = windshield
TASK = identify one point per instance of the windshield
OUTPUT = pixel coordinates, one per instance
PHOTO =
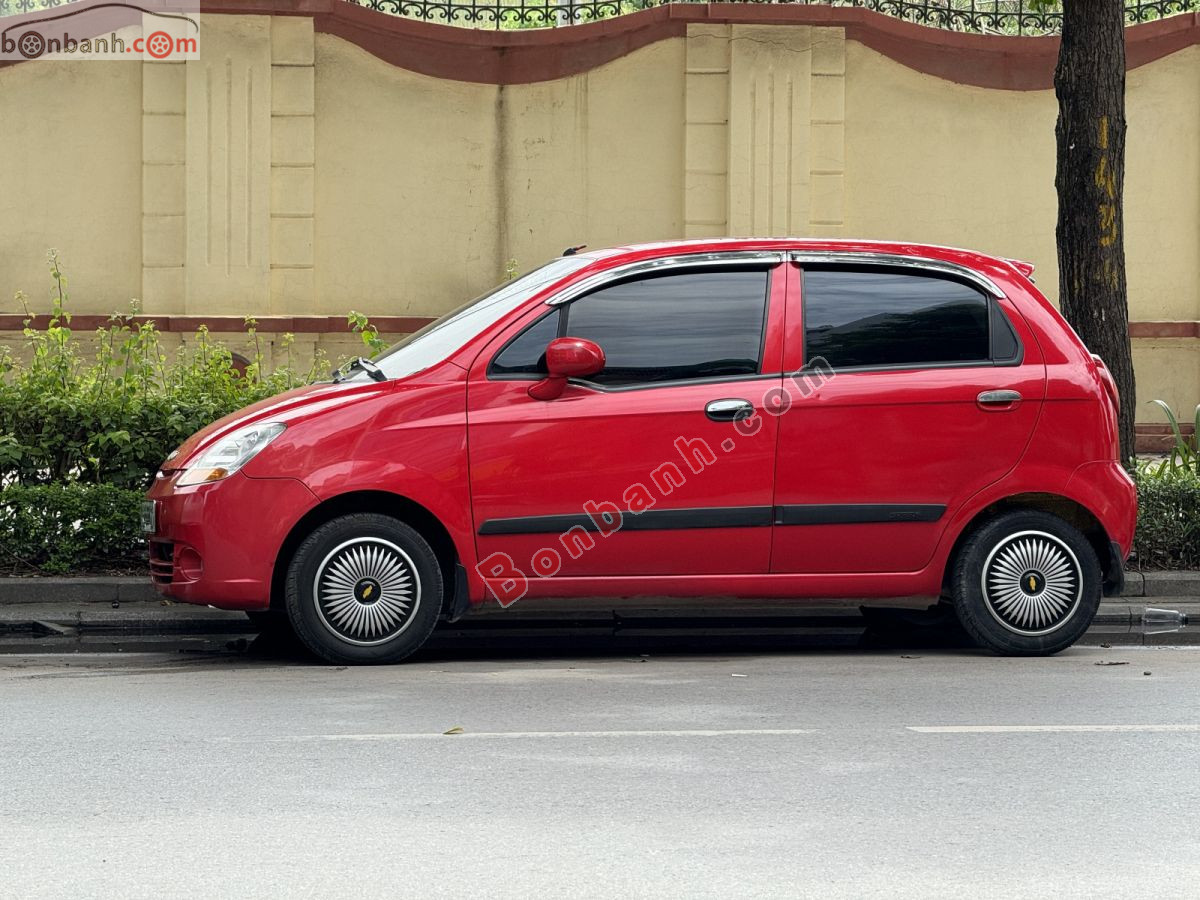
(440, 338)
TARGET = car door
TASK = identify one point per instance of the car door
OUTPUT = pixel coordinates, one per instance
(925, 389)
(638, 470)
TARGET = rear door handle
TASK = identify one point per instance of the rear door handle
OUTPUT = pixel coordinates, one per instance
(997, 400)
(729, 410)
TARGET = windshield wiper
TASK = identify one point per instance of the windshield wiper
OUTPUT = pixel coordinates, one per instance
(359, 364)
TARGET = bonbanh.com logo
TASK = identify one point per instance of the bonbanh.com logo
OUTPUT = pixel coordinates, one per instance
(163, 30)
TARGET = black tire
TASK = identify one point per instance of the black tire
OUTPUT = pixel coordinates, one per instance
(1042, 585)
(380, 590)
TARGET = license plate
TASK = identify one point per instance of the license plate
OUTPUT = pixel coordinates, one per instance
(149, 516)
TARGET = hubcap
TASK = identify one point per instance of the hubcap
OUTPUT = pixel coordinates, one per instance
(1032, 583)
(367, 590)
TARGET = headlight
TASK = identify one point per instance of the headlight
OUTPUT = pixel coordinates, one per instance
(230, 453)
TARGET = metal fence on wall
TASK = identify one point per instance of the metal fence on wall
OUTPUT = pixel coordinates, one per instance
(1005, 17)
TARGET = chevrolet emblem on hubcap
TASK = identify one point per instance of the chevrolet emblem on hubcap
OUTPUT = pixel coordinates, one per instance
(367, 591)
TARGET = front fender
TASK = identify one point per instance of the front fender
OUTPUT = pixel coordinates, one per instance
(443, 493)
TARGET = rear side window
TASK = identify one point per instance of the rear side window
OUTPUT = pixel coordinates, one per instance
(671, 327)
(884, 318)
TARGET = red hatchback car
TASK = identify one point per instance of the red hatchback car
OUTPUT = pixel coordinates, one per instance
(729, 418)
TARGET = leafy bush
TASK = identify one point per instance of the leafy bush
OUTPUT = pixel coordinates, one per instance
(1184, 457)
(60, 528)
(82, 430)
(114, 417)
(1168, 529)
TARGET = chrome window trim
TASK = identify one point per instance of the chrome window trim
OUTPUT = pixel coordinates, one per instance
(897, 260)
(664, 263)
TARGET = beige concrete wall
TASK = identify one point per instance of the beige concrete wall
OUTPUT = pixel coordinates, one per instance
(407, 193)
(950, 164)
(1162, 190)
(293, 173)
(426, 188)
(71, 178)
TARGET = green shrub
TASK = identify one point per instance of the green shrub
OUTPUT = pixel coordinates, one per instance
(82, 431)
(60, 528)
(1168, 529)
(1184, 457)
(112, 417)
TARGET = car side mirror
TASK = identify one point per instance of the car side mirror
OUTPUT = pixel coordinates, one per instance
(567, 357)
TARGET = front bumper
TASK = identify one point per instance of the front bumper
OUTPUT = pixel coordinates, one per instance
(216, 544)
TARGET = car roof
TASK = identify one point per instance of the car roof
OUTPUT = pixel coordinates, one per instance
(980, 264)
(730, 244)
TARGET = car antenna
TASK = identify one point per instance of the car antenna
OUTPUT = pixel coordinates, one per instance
(571, 251)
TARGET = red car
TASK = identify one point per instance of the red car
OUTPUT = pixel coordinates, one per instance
(749, 418)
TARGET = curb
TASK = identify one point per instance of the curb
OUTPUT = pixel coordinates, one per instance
(129, 605)
(73, 591)
(136, 617)
(1162, 584)
(1116, 624)
(137, 588)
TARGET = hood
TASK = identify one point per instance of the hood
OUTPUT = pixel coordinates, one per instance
(288, 407)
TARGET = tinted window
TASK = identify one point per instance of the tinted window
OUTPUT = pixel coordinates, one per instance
(881, 318)
(526, 355)
(1004, 341)
(670, 327)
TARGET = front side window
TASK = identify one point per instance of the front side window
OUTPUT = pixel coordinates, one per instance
(883, 318)
(675, 327)
(663, 328)
(526, 353)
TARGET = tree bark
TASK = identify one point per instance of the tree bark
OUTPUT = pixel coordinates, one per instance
(1089, 82)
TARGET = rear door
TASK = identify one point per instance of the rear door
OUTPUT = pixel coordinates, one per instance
(930, 391)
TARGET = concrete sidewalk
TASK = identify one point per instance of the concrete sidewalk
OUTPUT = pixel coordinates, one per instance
(127, 589)
(129, 606)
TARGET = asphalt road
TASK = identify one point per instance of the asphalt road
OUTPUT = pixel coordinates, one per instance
(813, 774)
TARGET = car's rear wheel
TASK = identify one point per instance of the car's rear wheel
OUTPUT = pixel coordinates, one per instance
(1026, 584)
(364, 588)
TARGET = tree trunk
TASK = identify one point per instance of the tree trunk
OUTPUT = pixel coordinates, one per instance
(1089, 82)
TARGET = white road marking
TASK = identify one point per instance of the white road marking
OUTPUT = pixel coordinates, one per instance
(1025, 729)
(725, 732)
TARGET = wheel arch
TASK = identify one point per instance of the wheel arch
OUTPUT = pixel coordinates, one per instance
(1070, 511)
(385, 503)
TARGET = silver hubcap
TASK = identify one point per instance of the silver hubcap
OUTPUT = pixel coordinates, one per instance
(367, 590)
(1032, 583)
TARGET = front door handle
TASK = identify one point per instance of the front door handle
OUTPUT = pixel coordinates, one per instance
(998, 400)
(729, 410)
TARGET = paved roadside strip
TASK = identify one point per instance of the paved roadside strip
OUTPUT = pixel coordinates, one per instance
(133, 617)
(93, 589)
(43, 607)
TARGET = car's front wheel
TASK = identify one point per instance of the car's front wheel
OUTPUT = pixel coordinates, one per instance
(1026, 584)
(364, 588)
